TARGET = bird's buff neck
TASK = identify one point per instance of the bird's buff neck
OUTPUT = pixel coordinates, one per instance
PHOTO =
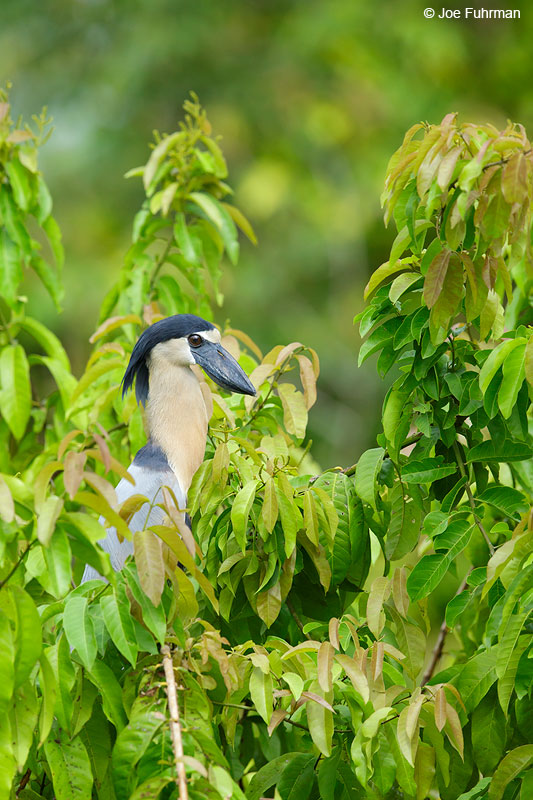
(177, 417)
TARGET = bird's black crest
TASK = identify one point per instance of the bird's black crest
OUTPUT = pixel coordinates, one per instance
(170, 328)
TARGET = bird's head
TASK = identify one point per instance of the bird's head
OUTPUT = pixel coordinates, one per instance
(184, 340)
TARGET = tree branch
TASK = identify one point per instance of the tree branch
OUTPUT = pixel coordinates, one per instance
(439, 644)
(296, 618)
(175, 725)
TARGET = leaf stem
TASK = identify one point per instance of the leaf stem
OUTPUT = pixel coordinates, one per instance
(468, 490)
(175, 725)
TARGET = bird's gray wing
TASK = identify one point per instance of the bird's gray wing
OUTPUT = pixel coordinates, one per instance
(150, 473)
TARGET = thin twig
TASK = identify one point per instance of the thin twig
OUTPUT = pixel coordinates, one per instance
(25, 779)
(468, 490)
(439, 644)
(175, 725)
(17, 565)
(296, 618)
(408, 442)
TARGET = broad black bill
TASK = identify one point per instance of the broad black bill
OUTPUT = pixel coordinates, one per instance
(223, 368)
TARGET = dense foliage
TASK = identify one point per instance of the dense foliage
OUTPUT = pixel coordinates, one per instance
(311, 98)
(298, 613)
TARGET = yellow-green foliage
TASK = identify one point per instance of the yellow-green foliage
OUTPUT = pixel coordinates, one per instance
(298, 608)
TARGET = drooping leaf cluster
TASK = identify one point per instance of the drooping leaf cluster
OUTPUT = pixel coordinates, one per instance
(301, 610)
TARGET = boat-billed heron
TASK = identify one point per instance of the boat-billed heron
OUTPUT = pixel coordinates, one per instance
(176, 415)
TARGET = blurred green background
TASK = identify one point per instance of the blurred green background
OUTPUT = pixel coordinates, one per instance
(311, 99)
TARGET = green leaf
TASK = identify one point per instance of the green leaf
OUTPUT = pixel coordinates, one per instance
(23, 718)
(50, 278)
(44, 200)
(51, 228)
(152, 787)
(520, 585)
(386, 271)
(102, 367)
(404, 527)
(475, 793)
(509, 501)
(511, 646)
(48, 689)
(79, 629)
(153, 616)
(514, 373)
(401, 284)
(295, 684)
(328, 776)
(495, 360)
(47, 517)
(512, 765)
(15, 394)
(268, 776)
(70, 767)
(66, 382)
(366, 475)
(455, 608)
(476, 677)
(58, 557)
(62, 665)
(320, 722)
(10, 268)
(46, 339)
(150, 564)
(28, 637)
(261, 693)
(132, 742)
(499, 451)
(184, 240)
(221, 219)
(240, 511)
(242, 222)
(294, 409)
(269, 512)
(20, 184)
(118, 621)
(427, 470)
(156, 157)
(103, 678)
(351, 534)
(396, 420)
(297, 778)
(7, 662)
(426, 575)
(488, 734)
(431, 569)
(269, 604)
(291, 519)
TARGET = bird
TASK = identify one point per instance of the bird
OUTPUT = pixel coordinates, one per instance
(176, 415)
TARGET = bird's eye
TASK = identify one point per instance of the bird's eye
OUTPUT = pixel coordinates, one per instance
(195, 340)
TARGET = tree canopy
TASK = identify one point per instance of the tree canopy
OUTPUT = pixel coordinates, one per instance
(362, 632)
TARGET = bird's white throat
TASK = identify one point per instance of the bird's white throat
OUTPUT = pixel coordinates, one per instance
(177, 416)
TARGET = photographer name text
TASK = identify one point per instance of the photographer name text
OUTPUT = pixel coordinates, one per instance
(472, 13)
